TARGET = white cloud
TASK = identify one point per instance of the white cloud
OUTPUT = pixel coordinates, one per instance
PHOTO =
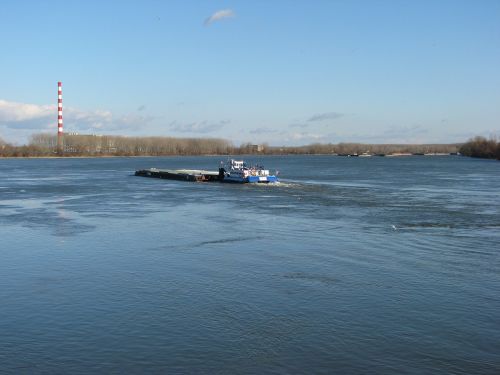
(201, 127)
(84, 120)
(219, 15)
(262, 130)
(103, 120)
(325, 116)
(298, 125)
(304, 137)
(20, 117)
(20, 112)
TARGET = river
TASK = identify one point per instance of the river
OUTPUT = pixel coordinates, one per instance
(349, 265)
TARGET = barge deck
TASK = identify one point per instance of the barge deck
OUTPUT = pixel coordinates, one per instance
(180, 174)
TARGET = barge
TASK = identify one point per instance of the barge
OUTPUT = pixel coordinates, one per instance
(180, 174)
(234, 171)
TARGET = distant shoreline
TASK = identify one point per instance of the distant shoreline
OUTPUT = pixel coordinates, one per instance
(43, 145)
(221, 155)
(48, 145)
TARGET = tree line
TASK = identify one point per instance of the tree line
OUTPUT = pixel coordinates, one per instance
(364, 148)
(480, 147)
(44, 144)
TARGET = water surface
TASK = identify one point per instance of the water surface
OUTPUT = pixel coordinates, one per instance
(350, 265)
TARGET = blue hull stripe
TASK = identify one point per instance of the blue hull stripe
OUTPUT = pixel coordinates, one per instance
(251, 179)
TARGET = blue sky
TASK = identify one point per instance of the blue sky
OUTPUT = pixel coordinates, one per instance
(282, 72)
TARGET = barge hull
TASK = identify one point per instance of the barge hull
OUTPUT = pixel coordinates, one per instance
(201, 176)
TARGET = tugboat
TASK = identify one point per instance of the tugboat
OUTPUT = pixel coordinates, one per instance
(237, 171)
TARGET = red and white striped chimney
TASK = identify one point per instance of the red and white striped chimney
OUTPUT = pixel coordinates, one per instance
(59, 118)
(59, 109)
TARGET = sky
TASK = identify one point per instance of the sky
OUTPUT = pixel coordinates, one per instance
(262, 71)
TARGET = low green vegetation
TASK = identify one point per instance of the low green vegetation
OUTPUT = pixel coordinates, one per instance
(480, 147)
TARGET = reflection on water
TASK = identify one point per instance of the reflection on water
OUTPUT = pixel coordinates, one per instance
(359, 265)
